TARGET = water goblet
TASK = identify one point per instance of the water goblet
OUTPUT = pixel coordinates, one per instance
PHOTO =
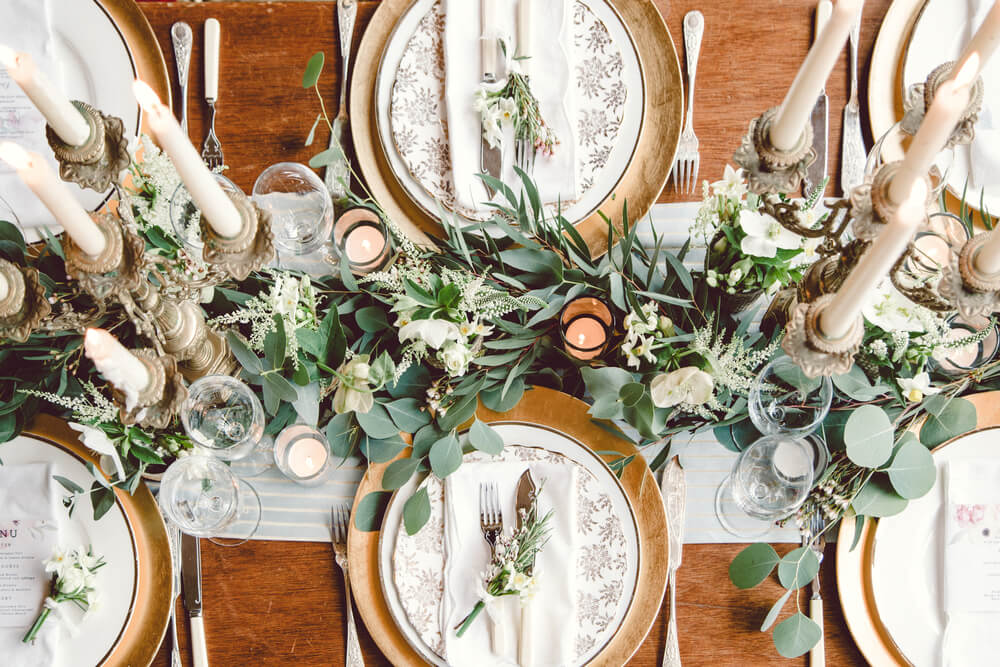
(300, 206)
(224, 416)
(784, 400)
(185, 216)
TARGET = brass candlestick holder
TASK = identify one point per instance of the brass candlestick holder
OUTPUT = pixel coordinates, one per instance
(251, 249)
(118, 269)
(814, 352)
(161, 399)
(971, 291)
(920, 96)
(24, 306)
(769, 169)
(98, 162)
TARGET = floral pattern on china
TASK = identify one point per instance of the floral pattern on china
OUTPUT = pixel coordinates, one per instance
(418, 560)
(419, 118)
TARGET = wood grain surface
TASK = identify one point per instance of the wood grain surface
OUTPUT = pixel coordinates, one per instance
(279, 603)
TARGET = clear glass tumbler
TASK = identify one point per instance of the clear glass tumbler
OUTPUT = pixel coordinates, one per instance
(783, 400)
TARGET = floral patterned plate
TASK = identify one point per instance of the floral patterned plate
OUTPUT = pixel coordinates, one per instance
(412, 117)
(412, 567)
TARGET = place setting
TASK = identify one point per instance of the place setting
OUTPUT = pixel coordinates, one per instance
(460, 344)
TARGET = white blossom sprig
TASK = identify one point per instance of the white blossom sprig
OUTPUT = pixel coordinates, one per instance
(74, 579)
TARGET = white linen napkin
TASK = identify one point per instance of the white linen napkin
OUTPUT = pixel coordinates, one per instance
(28, 496)
(551, 69)
(983, 156)
(971, 566)
(467, 556)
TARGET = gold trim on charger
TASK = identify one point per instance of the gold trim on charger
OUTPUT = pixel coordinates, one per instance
(152, 599)
(146, 54)
(643, 179)
(550, 409)
(854, 568)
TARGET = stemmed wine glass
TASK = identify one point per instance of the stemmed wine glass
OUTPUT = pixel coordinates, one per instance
(784, 400)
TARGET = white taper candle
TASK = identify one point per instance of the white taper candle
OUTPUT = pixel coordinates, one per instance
(64, 118)
(792, 116)
(525, 30)
(43, 181)
(985, 42)
(488, 38)
(118, 366)
(215, 205)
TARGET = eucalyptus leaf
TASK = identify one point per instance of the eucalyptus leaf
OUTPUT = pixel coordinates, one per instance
(275, 344)
(856, 385)
(461, 411)
(776, 608)
(445, 456)
(416, 511)
(399, 473)
(377, 423)
(485, 439)
(340, 432)
(912, 470)
(946, 419)
(605, 385)
(753, 565)
(371, 319)
(424, 439)
(796, 635)
(868, 436)
(381, 450)
(876, 498)
(631, 393)
(371, 509)
(407, 414)
(241, 350)
(798, 567)
(313, 69)
(493, 399)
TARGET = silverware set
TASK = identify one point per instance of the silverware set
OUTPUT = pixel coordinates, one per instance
(684, 171)
(816, 541)
(182, 38)
(340, 516)
(490, 516)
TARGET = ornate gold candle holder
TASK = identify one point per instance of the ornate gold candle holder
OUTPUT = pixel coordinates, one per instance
(163, 396)
(871, 206)
(251, 249)
(24, 306)
(118, 269)
(768, 168)
(98, 162)
(815, 353)
(920, 96)
(968, 289)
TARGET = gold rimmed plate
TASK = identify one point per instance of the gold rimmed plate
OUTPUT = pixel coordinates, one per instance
(565, 415)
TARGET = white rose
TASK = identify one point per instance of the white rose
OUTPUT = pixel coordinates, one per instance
(456, 358)
(433, 332)
(689, 385)
(353, 392)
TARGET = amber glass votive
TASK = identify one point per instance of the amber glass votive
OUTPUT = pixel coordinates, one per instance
(362, 240)
(585, 324)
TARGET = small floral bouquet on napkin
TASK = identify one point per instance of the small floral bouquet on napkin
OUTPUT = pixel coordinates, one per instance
(73, 580)
(510, 571)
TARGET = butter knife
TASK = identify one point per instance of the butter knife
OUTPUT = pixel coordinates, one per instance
(674, 489)
(490, 158)
(338, 174)
(820, 118)
(853, 158)
(191, 578)
(525, 508)
(182, 37)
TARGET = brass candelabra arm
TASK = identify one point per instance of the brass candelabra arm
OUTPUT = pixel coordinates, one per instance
(162, 398)
(768, 169)
(99, 162)
(249, 250)
(24, 306)
(920, 96)
(815, 353)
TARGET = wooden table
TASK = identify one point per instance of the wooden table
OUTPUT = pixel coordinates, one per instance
(281, 603)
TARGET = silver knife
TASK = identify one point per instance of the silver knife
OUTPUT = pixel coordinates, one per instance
(174, 536)
(674, 489)
(191, 577)
(854, 155)
(526, 509)
(182, 38)
(820, 119)
(338, 175)
(490, 158)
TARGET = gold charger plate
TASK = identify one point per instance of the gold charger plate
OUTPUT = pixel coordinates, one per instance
(146, 53)
(147, 623)
(854, 568)
(553, 409)
(642, 181)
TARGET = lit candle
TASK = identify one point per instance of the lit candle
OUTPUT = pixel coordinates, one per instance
(118, 366)
(302, 454)
(792, 116)
(985, 42)
(585, 326)
(362, 239)
(43, 181)
(216, 207)
(950, 101)
(842, 311)
(306, 457)
(524, 29)
(64, 118)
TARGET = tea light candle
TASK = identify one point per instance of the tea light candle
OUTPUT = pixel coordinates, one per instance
(362, 240)
(586, 327)
(43, 181)
(118, 366)
(216, 207)
(64, 118)
(302, 454)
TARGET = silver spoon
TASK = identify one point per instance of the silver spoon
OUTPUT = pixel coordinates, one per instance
(182, 37)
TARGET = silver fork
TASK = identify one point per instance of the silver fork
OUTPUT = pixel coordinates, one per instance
(524, 156)
(684, 171)
(211, 152)
(340, 515)
(817, 542)
(490, 518)
(174, 535)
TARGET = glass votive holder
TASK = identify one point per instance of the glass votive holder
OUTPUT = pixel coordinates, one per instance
(302, 454)
(585, 325)
(975, 355)
(362, 240)
(300, 206)
(185, 216)
(224, 416)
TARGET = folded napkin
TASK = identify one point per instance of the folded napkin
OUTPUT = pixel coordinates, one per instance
(971, 567)
(552, 81)
(467, 557)
(983, 156)
(29, 512)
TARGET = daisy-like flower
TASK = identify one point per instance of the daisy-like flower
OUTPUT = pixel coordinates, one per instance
(731, 185)
(637, 350)
(480, 100)
(507, 110)
(765, 235)
(483, 329)
(915, 388)
(492, 132)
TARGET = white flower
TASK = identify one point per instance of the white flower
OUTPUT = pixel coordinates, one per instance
(688, 385)
(915, 388)
(637, 349)
(890, 311)
(466, 329)
(286, 297)
(433, 332)
(456, 357)
(731, 185)
(353, 392)
(508, 109)
(480, 101)
(59, 561)
(87, 560)
(492, 132)
(735, 276)
(404, 318)
(809, 247)
(98, 441)
(764, 235)
(483, 329)
(71, 580)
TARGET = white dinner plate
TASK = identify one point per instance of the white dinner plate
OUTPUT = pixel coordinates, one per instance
(516, 433)
(111, 537)
(621, 153)
(940, 35)
(98, 68)
(907, 568)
